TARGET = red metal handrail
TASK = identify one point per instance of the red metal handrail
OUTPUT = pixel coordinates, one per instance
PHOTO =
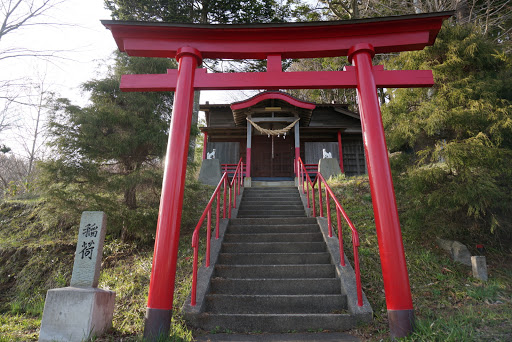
(224, 183)
(230, 169)
(304, 179)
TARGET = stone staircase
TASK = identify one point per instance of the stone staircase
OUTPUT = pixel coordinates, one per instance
(273, 272)
(271, 203)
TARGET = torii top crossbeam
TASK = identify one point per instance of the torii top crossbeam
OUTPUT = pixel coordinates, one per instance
(275, 42)
(290, 40)
(357, 39)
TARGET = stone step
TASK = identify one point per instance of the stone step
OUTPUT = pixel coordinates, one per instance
(251, 213)
(275, 286)
(274, 271)
(281, 206)
(272, 221)
(269, 229)
(276, 322)
(273, 184)
(263, 216)
(266, 200)
(250, 201)
(273, 258)
(275, 304)
(274, 247)
(274, 237)
(256, 196)
(272, 189)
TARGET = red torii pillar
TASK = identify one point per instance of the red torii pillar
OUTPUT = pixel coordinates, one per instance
(357, 39)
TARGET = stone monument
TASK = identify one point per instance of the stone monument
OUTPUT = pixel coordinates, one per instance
(81, 311)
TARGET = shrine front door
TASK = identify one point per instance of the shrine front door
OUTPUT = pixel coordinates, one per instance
(272, 159)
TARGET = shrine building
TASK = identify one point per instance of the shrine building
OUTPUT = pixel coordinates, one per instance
(273, 128)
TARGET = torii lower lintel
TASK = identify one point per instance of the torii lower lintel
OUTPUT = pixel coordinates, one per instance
(278, 80)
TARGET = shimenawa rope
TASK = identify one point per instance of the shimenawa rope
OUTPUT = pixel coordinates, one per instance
(272, 131)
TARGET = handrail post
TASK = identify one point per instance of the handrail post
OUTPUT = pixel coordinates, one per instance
(240, 173)
(233, 184)
(225, 193)
(320, 196)
(340, 238)
(358, 272)
(302, 178)
(314, 200)
(307, 187)
(229, 211)
(299, 181)
(328, 207)
(208, 236)
(217, 217)
(194, 277)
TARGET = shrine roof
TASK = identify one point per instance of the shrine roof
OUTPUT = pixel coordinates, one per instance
(269, 102)
(278, 104)
(290, 40)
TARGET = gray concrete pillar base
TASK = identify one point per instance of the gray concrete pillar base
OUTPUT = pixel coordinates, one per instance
(401, 323)
(157, 324)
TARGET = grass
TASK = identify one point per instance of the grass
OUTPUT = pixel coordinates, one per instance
(450, 305)
(21, 226)
(18, 327)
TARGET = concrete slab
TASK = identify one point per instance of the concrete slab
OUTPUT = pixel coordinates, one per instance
(273, 184)
(75, 314)
(210, 172)
(291, 337)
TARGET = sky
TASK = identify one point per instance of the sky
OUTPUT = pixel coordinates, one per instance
(85, 50)
(87, 46)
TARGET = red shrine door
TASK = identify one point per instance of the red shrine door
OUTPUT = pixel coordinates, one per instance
(272, 159)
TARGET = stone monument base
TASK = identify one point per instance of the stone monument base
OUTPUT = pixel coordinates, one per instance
(210, 172)
(76, 314)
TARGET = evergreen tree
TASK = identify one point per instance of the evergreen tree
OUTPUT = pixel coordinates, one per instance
(200, 11)
(110, 149)
(204, 12)
(456, 137)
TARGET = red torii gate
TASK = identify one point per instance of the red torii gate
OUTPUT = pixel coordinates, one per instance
(357, 39)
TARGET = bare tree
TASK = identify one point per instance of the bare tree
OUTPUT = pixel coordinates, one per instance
(12, 171)
(31, 130)
(494, 17)
(15, 16)
(19, 14)
(488, 12)
(7, 118)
